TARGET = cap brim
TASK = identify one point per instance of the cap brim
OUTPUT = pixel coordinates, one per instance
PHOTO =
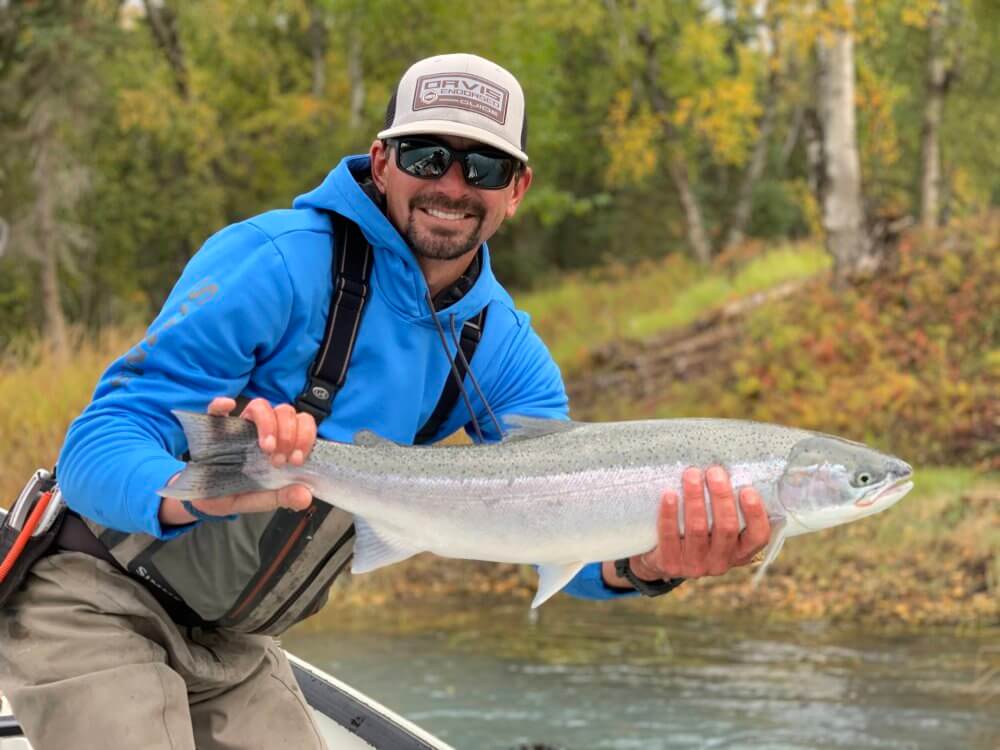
(446, 127)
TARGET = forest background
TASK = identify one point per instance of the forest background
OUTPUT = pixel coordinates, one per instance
(749, 208)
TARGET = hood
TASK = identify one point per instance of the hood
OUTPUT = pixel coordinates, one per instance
(397, 276)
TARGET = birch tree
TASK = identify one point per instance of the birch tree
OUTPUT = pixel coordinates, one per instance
(938, 77)
(847, 238)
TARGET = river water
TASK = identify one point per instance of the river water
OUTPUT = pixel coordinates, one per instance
(586, 675)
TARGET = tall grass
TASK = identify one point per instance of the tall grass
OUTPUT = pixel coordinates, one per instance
(588, 310)
(41, 393)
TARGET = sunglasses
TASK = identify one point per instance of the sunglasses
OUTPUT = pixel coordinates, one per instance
(484, 168)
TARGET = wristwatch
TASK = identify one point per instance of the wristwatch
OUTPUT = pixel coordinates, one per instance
(646, 588)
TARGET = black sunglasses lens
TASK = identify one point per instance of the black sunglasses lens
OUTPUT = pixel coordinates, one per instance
(429, 160)
(423, 159)
(488, 170)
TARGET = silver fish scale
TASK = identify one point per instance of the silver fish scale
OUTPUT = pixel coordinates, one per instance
(578, 449)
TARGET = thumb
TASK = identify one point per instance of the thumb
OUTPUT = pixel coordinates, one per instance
(295, 497)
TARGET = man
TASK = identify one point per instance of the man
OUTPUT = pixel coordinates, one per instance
(152, 625)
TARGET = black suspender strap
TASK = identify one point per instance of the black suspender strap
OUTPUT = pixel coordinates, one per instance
(472, 332)
(352, 269)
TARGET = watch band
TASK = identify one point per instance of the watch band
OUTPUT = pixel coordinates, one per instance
(646, 588)
(201, 515)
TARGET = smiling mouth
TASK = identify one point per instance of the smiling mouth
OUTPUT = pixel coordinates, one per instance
(438, 213)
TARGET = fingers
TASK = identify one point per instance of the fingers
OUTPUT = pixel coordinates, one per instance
(725, 522)
(259, 412)
(305, 438)
(293, 497)
(695, 543)
(287, 426)
(285, 434)
(757, 533)
(221, 406)
(670, 556)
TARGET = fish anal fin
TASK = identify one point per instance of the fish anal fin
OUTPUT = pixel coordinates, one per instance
(552, 578)
(376, 546)
(779, 532)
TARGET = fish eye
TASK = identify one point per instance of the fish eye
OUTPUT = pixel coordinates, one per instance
(863, 478)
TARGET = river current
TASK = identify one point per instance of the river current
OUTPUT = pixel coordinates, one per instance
(589, 676)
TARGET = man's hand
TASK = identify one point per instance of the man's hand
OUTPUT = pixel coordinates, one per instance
(699, 552)
(282, 433)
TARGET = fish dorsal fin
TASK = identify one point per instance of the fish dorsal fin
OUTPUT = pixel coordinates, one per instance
(521, 427)
(779, 532)
(375, 547)
(370, 439)
(552, 578)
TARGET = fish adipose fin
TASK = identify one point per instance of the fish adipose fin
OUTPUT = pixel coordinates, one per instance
(375, 547)
(219, 447)
(520, 427)
(778, 535)
(552, 579)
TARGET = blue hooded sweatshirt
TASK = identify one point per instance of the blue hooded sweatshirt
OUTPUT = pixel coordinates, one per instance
(247, 317)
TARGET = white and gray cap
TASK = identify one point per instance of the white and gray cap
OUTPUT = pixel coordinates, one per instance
(462, 95)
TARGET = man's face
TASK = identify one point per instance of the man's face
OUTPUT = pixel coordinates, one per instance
(445, 218)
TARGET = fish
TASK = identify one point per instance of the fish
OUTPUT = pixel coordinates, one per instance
(553, 493)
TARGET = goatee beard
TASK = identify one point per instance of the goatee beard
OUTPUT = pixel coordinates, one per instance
(443, 245)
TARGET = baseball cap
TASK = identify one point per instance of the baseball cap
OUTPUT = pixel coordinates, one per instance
(462, 95)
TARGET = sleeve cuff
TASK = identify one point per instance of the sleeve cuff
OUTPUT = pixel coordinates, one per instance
(143, 504)
(589, 584)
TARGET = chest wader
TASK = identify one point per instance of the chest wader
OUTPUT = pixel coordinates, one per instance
(263, 572)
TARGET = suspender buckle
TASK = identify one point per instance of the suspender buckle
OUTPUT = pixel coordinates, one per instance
(316, 398)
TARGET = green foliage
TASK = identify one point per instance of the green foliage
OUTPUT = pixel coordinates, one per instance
(167, 167)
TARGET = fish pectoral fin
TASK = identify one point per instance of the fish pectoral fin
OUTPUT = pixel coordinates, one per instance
(779, 532)
(552, 578)
(375, 547)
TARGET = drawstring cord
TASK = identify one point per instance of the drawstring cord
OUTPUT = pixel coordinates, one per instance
(472, 377)
(454, 369)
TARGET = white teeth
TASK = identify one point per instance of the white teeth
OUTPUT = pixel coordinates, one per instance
(444, 214)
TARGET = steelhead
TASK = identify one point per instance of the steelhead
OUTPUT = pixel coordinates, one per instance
(556, 494)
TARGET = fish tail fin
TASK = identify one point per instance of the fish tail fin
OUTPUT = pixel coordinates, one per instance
(220, 449)
(211, 436)
(778, 536)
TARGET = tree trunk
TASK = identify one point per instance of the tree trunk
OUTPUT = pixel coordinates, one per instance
(936, 88)
(356, 75)
(841, 198)
(758, 160)
(795, 128)
(676, 166)
(695, 225)
(812, 130)
(317, 44)
(163, 24)
(47, 240)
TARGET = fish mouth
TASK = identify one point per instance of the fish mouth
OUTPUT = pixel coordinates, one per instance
(896, 490)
